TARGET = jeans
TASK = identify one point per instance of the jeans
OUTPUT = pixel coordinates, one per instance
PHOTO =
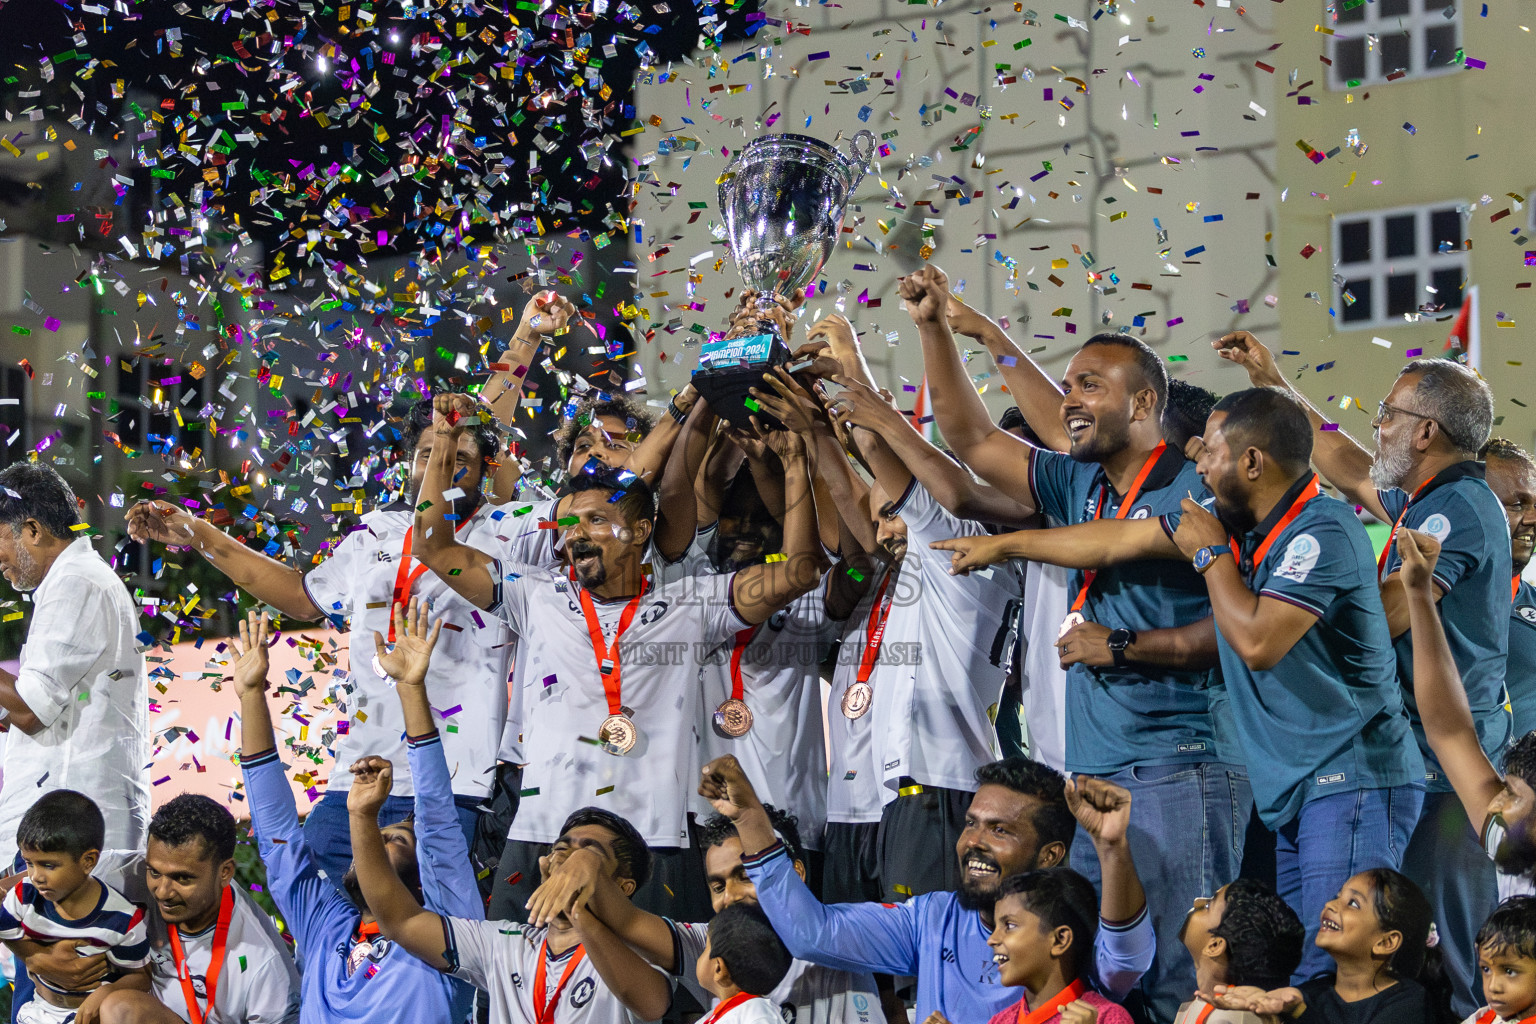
(1458, 878)
(328, 830)
(1333, 838)
(1187, 827)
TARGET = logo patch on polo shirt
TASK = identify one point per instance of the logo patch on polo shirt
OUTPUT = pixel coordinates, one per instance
(1300, 556)
(1325, 780)
(1527, 613)
(1437, 526)
(1141, 512)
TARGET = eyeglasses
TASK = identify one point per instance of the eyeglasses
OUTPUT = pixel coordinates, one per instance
(1384, 412)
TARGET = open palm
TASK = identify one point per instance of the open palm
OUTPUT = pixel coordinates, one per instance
(407, 660)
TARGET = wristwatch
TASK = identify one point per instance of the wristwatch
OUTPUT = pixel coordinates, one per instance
(1117, 641)
(1206, 556)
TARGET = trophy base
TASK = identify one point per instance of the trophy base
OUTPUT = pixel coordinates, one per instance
(730, 367)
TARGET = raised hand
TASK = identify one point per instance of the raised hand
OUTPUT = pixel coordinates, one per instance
(406, 663)
(966, 321)
(250, 662)
(566, 886)
(162, 522)
(1244, 349)
(723, 783)
(545, 314)
(452, 413)
(790, 403)
(372, 777)
(1198, 528)
(1100, 806)
(862, 406)
(836, 329)
(1419, 552)
(967, 553)
(926, 291)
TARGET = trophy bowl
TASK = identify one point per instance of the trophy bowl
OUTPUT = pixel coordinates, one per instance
(783, 198)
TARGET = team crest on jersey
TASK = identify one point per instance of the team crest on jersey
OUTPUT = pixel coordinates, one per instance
(1437, 526)
(777, 620)
(1527, 613)
(1140, 512)
(361, 953)
(582, 993)
(787, 1011)
(1299, 559)
(654, 612)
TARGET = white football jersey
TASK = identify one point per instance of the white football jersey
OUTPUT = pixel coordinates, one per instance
(1046, 600)
(855, 790)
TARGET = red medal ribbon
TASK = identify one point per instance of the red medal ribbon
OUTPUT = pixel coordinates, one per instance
(215, 963)
(1053, 1006)
(874, 630)
(609, 656)
(1205, 1013)
(1381, 559)
(743, 638)
(726, 1007)
(1514, 587)
(1125, 507)
(546, 1010)
(405, 577)
(1312, 490)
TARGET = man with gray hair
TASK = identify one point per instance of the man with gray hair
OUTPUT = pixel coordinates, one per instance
(79, 705)
(1425, 476)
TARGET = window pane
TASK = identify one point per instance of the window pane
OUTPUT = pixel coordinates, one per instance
(1354, 241)
(1401, 240)
(1394, 53)
(1354, 14)
(1391, 8)
(1437, 5)
(1444, 226)
(1447, 280)
(1439, 45)
(1402, 294)
(1360, 310)
(1349, 59)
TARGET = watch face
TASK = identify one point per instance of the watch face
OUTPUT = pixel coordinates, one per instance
(1202, 558)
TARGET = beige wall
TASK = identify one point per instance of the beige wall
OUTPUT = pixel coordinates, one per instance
(1113, 146)
(1457, 115)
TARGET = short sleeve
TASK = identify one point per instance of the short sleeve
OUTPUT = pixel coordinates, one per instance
(1464, 545)
(58, 655)
(927, 520)
(274, 999)
(329, 585)
(512, 585)
(1051, 479)
(714, 598)
(10, 913)
(472, 948)
(132, 950)
(1393, 502)
(1313, 570)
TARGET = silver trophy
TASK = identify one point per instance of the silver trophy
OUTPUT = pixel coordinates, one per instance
(783, 198)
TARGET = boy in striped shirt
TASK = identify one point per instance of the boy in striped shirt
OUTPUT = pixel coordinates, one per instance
(60, 838)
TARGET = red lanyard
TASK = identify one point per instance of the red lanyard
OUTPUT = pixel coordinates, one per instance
(1492, 1015)
(608, 657)
(726, 1007)
(1381, 559)
(405, 577)
(1514, 587)
(1312, 490)
(874, 630)
(215, 962)
(546, 1010)
(1052, 1007)
(1205, 1012)
(1125, 508)
(743, 638)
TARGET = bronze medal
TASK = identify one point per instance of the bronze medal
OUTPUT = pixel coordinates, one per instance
(857, 699)
(733, 718)
(618, 734)
(1072, 619)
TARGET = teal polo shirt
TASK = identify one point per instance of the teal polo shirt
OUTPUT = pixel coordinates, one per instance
(1328, 717)
(1138, 715)
(1520, 676)
(1459, 510)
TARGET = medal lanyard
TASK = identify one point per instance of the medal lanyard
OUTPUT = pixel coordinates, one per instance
(406, 577)
(546, 1010)
(1492, 1015)
(743, 638)
(1049, 1009)
(1381, 559)
(608, 657)
(726, 1007)
(215, 962)
(1312, 490)
(874, 630)
(1514, 587)
(1125, 507)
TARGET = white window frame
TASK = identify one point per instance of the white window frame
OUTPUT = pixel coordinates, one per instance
(1379, 267)
(1414, 23)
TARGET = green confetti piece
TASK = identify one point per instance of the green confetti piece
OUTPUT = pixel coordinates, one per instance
(1178, 359)
(1020, 46)
(751, 404)
(573, 520)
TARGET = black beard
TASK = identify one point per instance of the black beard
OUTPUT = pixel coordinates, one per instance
(1238, 519)
(971, 898)
(1105, 442)
(598, 575)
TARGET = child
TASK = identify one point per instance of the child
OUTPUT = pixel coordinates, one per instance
(1379, 933)
(60, 839)
(1044, 923)
(1244, 935)
(1506, 955)
(743, 961)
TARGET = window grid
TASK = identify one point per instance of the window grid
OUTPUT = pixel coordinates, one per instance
(1389, 280)
(1378, 41)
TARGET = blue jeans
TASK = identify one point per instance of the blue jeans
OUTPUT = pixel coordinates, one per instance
(1187, 827)
(1458, 878)
(328, 830)
(1333, 838)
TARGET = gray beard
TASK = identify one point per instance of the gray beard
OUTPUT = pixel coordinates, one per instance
(28, 576)
(1390, 469)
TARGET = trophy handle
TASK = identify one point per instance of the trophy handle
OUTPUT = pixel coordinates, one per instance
(861, 158)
